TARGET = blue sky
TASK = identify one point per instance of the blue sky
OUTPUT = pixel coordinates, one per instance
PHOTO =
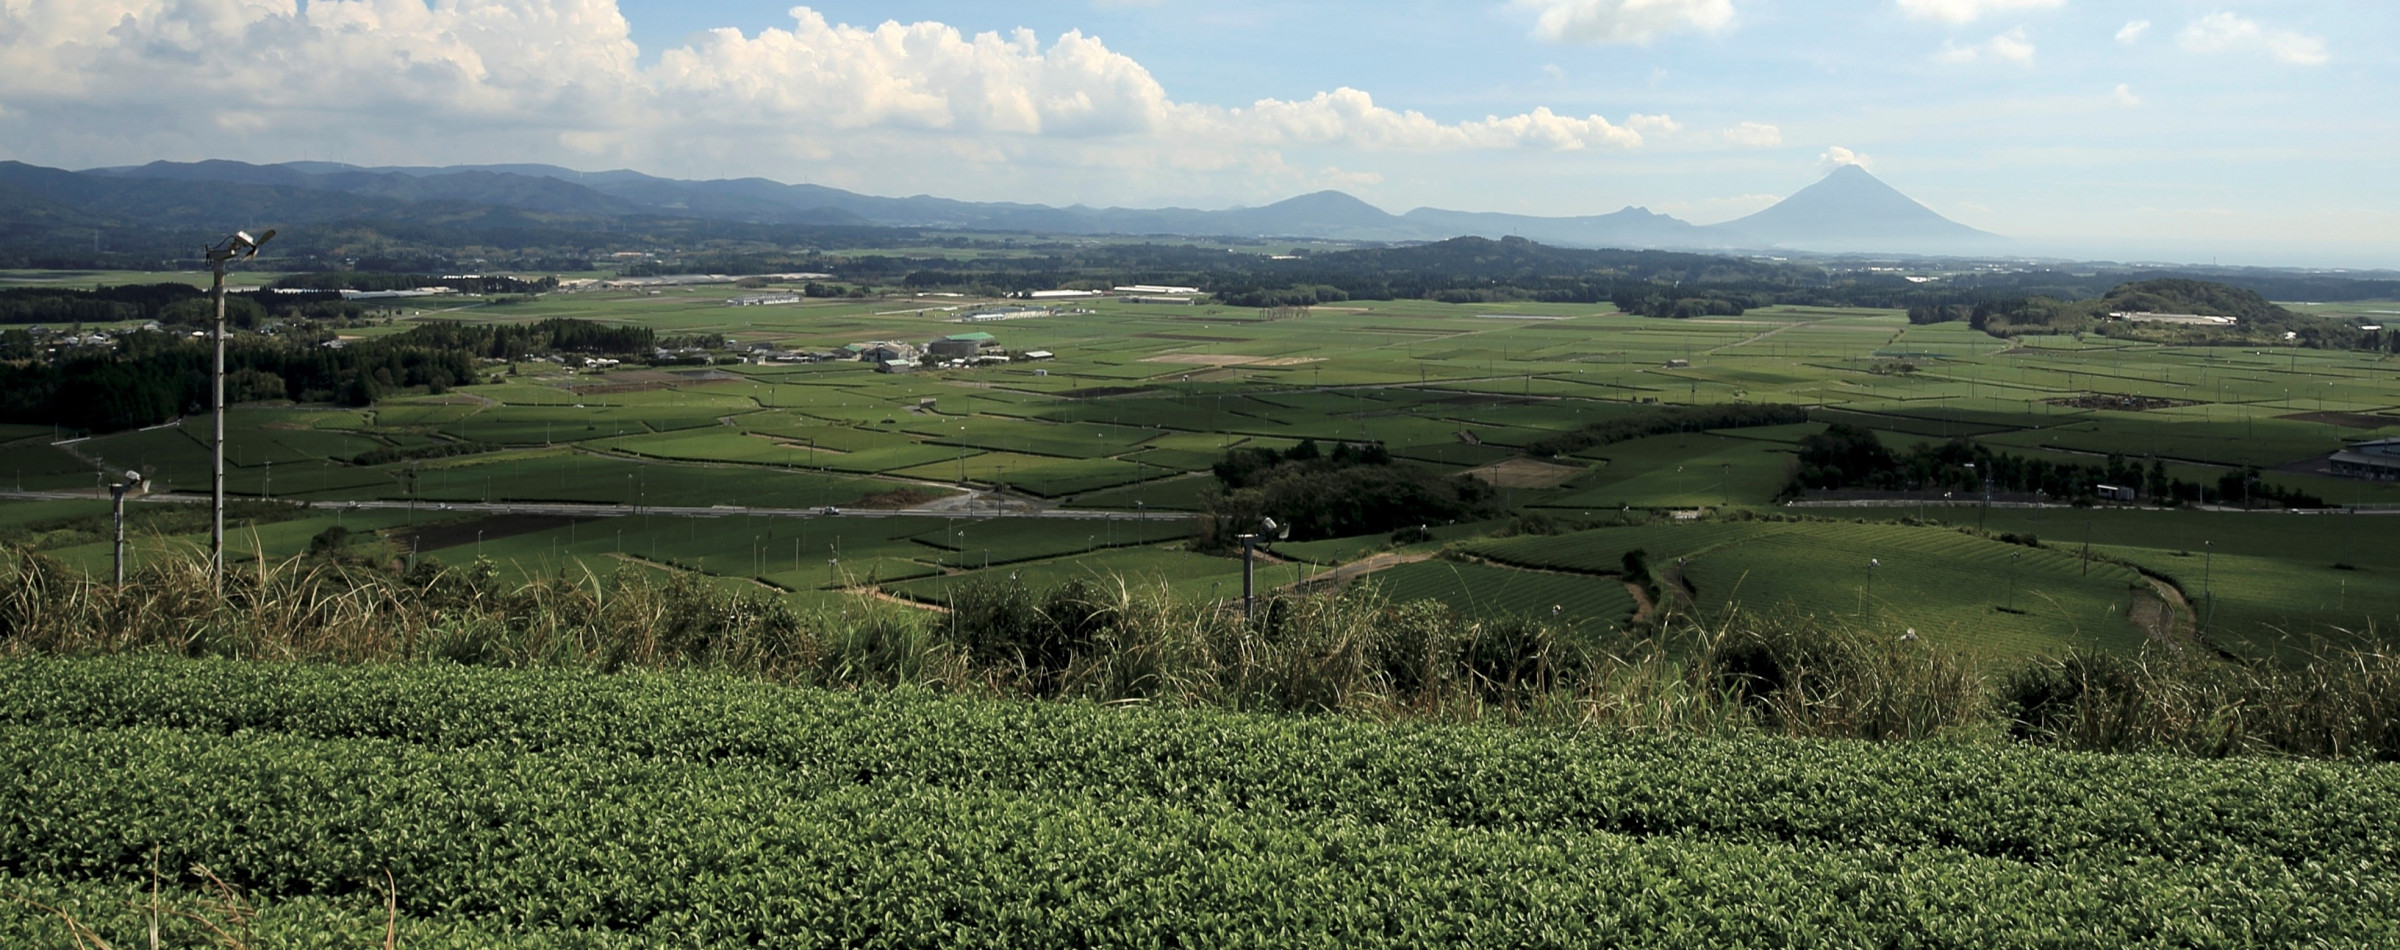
(2241, 131)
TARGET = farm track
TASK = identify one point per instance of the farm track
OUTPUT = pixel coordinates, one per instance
(1360, 568)
(2166, 616)
(1746, 342)
(1645, 610)
(1533, 569)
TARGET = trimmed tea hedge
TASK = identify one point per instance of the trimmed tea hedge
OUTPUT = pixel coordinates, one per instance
(544, 806)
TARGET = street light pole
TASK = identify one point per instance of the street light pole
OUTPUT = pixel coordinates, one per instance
(241, 246)
(116, 495)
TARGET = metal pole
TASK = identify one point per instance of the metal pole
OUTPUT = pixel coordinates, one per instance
(216, 507)
(2208, 587)
(117, 494)
(1249, 541)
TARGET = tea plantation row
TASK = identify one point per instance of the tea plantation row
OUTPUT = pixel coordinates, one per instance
(586, 810)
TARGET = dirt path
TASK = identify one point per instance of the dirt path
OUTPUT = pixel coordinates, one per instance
(1746, 342)
(876, 593)
(1361, 568)
(1644, 609)
(2165, 616)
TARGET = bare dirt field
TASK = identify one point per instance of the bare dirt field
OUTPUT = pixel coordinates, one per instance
(1525, 473)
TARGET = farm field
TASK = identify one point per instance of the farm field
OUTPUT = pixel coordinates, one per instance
(1976, 595)
(1139, 402)
(2278, 580)
(1476, 590)
(508, 807)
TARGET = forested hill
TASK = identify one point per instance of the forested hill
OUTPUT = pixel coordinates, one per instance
(2178, 295)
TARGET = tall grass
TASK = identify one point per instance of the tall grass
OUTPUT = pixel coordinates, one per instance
(1118, 641)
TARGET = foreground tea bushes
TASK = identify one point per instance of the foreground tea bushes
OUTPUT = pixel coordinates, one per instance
(713, 811)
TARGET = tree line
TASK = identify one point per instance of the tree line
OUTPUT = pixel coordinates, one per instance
(1849, 457)
(544, 337)
(1664, 421)
(150, 378)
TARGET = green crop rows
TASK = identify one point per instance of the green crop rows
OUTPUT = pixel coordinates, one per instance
(1141, 401)
(1476, 590)
(634, 810)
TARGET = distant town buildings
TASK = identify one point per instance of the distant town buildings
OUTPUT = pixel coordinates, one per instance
(963, 346)
(881, 352)
(989, 314)
(2378, 460)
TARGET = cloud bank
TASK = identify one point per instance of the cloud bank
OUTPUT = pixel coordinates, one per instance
(2232, 33)
(1625, 21)
(1968, 11)
(376, 80)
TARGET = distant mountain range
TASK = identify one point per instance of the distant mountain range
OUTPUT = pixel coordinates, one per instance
(1849, 210)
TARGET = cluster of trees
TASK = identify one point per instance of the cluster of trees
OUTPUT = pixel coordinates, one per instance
(435, 450)
(1846, 456)
(1672, 302)
(149, 378)
(66, 305)
(511, 341)
(1664, 421)
(2244, 488)
(1355, 489)
(1264, 299)
(169, 304)
(2260, 321)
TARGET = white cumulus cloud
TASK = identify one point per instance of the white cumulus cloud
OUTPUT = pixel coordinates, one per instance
(2125, 96)
(1837, 156)
(1351, 117)
(1653, 124)
(2132, 31)
(2012, 47)
(562, 61)
(1968, 11)
(1624, 21)
(922, 76)
(407, 81)
(1754, 135)
(2232, 33)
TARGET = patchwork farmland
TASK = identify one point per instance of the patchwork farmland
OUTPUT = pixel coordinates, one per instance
(818, 481)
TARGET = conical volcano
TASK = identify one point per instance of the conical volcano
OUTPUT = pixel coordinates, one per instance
(1852, 210)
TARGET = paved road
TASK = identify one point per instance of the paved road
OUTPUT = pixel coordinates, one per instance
(1977, 503)
(993, 509)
